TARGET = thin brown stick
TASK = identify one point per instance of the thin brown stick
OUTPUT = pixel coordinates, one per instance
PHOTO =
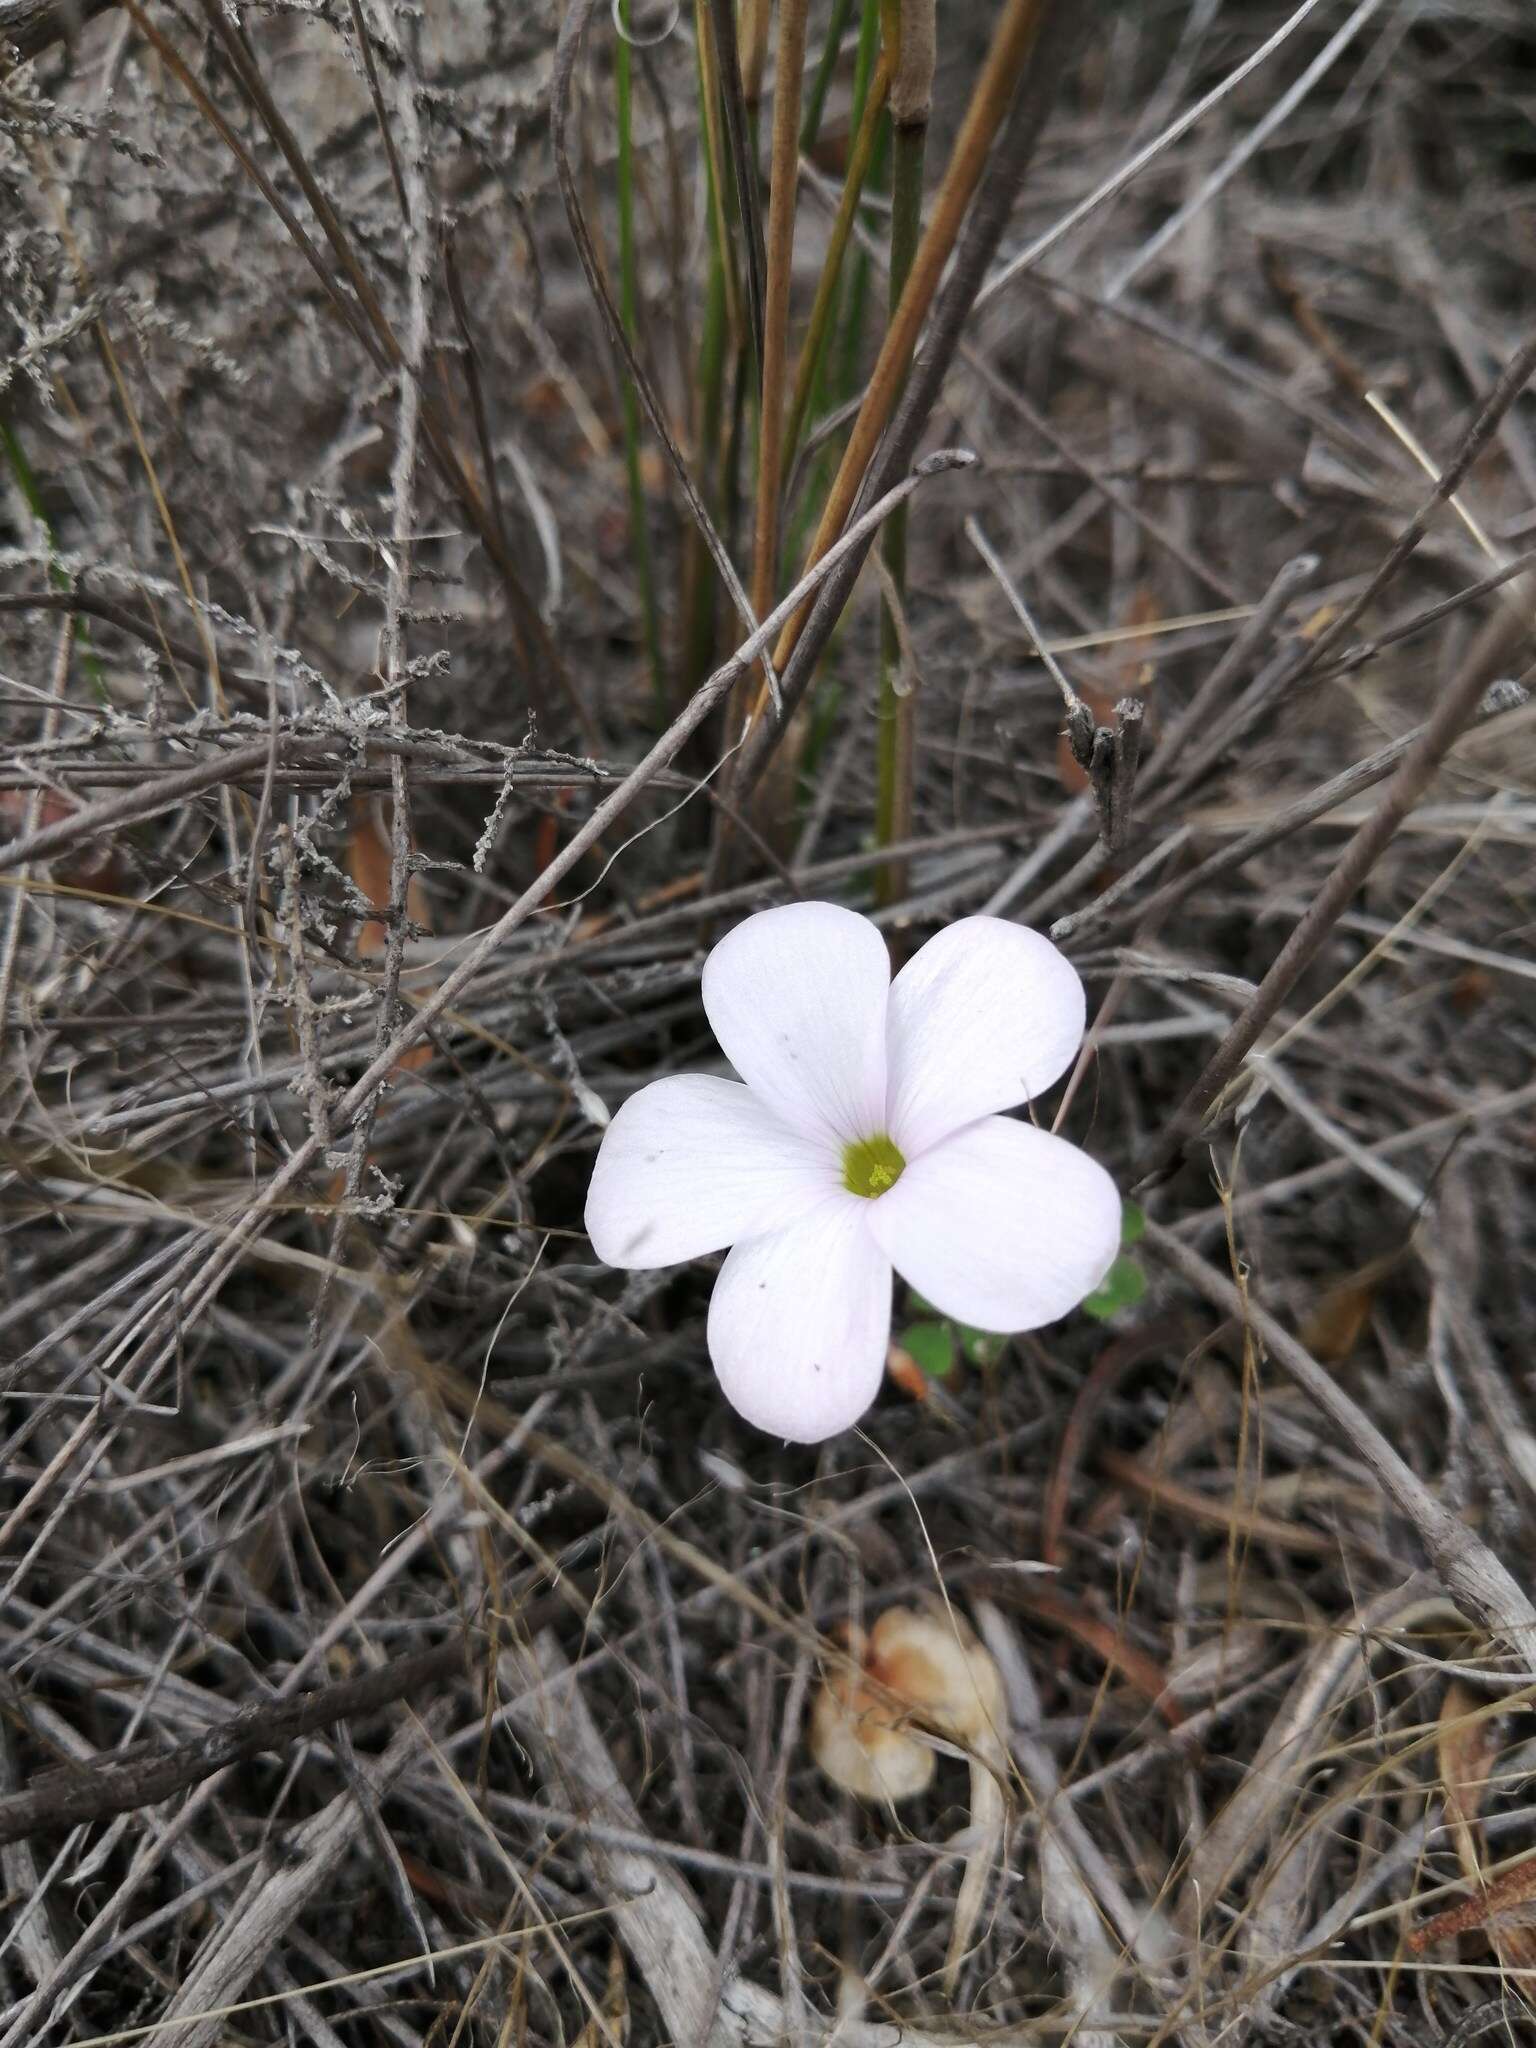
(62, 1798)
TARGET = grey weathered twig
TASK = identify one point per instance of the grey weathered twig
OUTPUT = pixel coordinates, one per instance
(257, 1921)
(1113, 758)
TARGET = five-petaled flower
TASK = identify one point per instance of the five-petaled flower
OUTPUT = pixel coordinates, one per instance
(866, 1138)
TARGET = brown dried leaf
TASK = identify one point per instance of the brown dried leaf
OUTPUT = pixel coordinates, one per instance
(905, 1372)
(1465, 1748)
(369, 864)
(1467, 1745)
(1494, 1908)
(1343, 1313)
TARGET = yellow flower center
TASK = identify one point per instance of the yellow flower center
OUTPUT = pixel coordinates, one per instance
(872, 1166)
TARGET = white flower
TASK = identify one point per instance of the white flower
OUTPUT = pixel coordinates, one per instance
(864, 1139)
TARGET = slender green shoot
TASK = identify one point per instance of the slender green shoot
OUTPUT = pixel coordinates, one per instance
(701, 597)
(782, 191)
(629, 313)
(895, 728)
(816, 98)
(31, 492)
(836, 377)
(819, 326)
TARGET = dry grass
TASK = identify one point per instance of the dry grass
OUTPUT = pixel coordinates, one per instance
(363, 844)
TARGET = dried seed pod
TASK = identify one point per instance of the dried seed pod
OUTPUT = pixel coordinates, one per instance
(859, 1738)
(917, 1670)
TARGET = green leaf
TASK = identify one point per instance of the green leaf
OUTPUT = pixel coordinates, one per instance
(931, 1346)
(915, 1300)
(1132, 1224)
(981, 1347)
(1124, 1285)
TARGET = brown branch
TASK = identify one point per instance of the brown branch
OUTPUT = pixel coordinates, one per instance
(1214, 1511)
(64, 1797)
(1505, 696)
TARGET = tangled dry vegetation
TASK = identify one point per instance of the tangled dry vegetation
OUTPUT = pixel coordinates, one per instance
(399, 1641)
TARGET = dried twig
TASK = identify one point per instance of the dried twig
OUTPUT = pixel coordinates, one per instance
(61, 1798)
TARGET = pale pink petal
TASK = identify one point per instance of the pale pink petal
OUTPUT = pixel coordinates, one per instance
(1001, 1226)
(800, 1322)
(983, 1017)
(693, 1162)
(797, 997)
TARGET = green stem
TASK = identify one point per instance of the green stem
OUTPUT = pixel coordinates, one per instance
(819, 326)
(783, 189)
(735, 441)
(897, 714)
(865, 57)
(703, 596)
(837, 373)
(816, 98)
(629, 313)
(27, 484)
(845, 380)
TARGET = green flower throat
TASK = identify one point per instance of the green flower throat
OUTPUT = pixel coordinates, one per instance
(871, 1167)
